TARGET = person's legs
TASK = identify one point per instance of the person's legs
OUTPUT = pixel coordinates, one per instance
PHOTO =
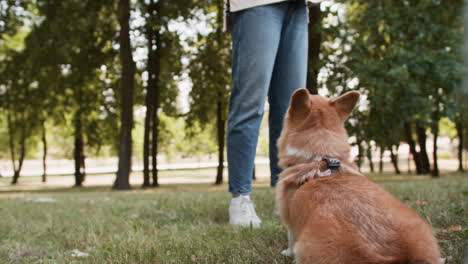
(256, 37)
(289, 74)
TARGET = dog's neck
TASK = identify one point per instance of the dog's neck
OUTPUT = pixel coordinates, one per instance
(298, 156)
(301, 154)
(315, 147)
(298, 159)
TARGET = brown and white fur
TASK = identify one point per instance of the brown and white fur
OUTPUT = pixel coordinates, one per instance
(343, 218)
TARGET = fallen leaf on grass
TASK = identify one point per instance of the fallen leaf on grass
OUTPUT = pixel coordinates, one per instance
(445, 260)
(170, 215)
(421, 202)
(79, 254)
(454, 228)
(134, 216)
(42, 200)
(450, 229)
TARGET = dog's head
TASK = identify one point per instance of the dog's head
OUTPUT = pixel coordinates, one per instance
(314, 127)
(308, 111)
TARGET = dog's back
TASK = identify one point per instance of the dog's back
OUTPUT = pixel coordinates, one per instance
(346, 218)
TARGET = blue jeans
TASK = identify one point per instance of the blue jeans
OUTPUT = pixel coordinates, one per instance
(269, 60)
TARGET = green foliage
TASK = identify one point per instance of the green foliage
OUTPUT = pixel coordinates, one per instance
(447, 128)
(13, 14)
(209, 71)
(168, 48)
(176, 141)
(14, 88)
(80, 37)
(60, 74)
(60, 66)
(65, 59)
(403, 56)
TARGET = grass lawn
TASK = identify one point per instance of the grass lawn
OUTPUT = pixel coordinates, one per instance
(185, 223)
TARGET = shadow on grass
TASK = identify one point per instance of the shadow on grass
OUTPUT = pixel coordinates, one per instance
(172, 187)
(391, 177)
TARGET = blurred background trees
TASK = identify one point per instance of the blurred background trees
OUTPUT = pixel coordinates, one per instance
(146, 78)
(405, 57)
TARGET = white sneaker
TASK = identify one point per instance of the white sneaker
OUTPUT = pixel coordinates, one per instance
(242, 212)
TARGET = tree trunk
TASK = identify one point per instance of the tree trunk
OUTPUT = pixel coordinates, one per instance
(11, 140)
(360, 155)
(459, 126)
(154, 148)
(79, 177)
(44, 152)
(22, 142)
(146, 147)
(315, 39)
(149, 98)
(83, 162)
(220, 116)
(22, 154)
(369, 157)
(435, 132)
(421, 132)
(412, 147)
(220, 126)
(381, 160)
(156, 104)
(435, 168)
(394, 159)
(146, 144)
(122, 181)
(409, 163)
(78, 149)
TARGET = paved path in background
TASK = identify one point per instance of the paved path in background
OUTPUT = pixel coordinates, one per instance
(69, 170)
(106, 175)
(102, 173)
(65, 167)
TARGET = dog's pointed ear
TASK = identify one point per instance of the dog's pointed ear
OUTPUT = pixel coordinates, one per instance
(345, 103)
(300, 102)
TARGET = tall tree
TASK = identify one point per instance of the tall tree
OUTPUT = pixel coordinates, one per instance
(461, 97)
(150, 97)
(369, 157)
(72, 44)
(210, 75)
(44, 151)
(13, 80)
(59, 74)
(164, 68)
(394, 159)
(461, 139)
(315, 39)
(122, 181)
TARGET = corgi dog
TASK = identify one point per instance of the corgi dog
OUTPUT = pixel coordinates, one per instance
(335, 215)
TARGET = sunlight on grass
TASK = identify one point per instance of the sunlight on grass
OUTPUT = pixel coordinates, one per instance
(184, 223)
